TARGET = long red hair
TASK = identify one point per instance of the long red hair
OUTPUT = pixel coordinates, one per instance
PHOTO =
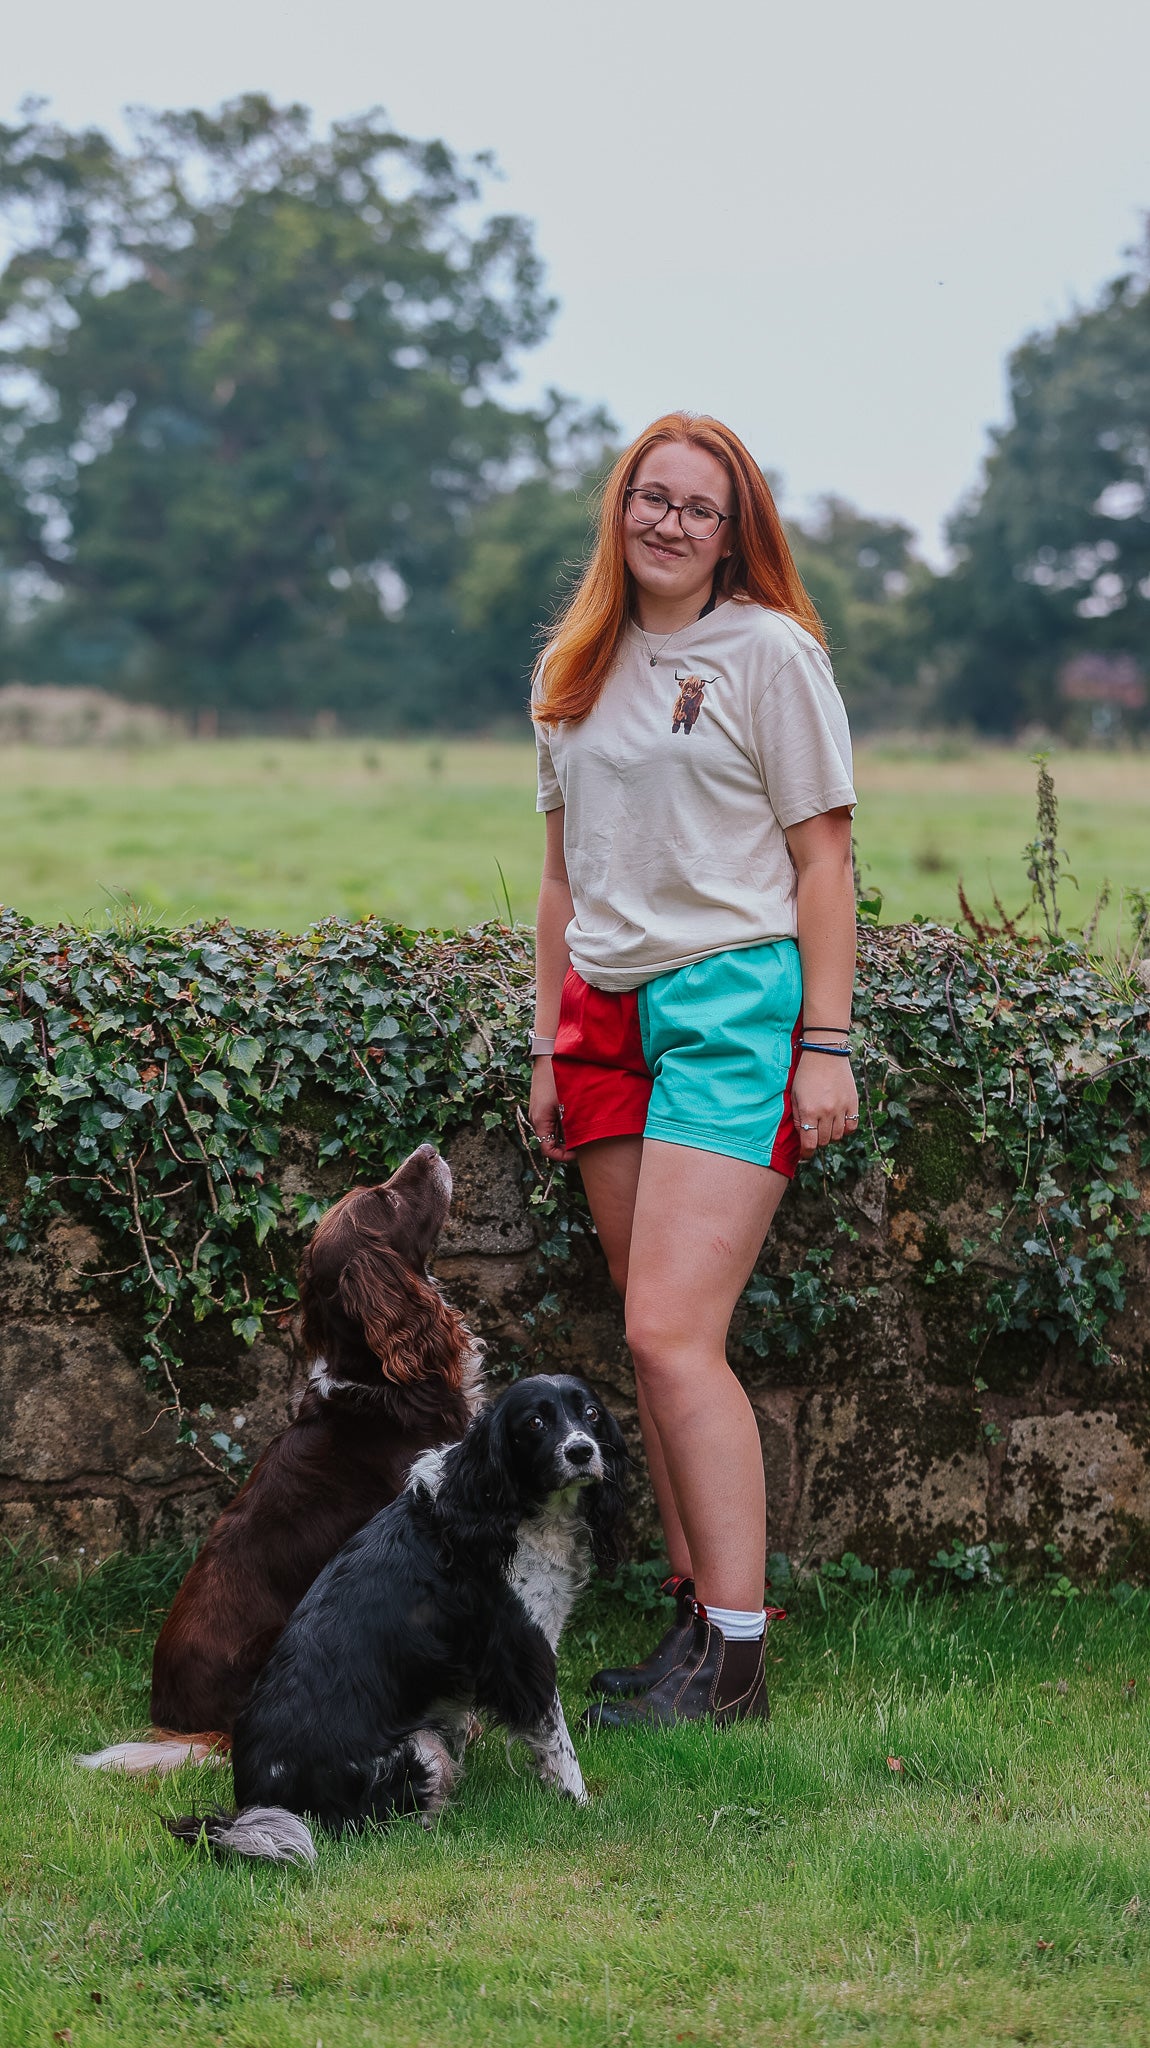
(581, 651)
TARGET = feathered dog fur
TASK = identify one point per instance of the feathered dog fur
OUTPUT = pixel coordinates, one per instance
(393, 1371)
(450, 1601)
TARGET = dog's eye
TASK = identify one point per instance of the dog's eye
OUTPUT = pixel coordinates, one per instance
(536, 1422)
(590, 1415)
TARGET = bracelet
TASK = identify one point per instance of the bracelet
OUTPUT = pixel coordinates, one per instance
(843, 1028)
(834, 1052)
(540, 1048)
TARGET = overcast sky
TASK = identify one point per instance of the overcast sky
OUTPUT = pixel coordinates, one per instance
(828, 223)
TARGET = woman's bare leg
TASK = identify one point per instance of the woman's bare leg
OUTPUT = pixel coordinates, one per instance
(698, 1222)
(610, 1168)
(674, 1534)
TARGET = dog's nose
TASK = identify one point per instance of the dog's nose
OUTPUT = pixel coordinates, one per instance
(580, 1454)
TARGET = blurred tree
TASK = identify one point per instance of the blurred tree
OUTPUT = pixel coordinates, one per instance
(1054, 551)
(249, 407)
(526, 551)
(867, 582)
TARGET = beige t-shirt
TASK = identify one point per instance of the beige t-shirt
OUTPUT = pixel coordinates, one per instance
(678, 788)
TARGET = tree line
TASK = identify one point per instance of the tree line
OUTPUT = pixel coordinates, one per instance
(258, 457)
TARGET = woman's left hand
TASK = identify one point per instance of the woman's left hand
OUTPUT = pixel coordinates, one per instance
(824, 1101)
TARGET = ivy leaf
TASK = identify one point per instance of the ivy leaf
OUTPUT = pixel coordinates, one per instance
(245, 1054)
(12, 1087)
(265, 1213)
(215, 1085)
(247, 1328)
(14, 1031)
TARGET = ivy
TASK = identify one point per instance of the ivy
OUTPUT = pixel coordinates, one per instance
(788, 1311)
(150, 1074)
(1046, 1069)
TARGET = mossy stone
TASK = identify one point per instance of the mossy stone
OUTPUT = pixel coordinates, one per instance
(940, 1155)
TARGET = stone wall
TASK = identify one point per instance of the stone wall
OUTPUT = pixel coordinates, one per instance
(875, 1433)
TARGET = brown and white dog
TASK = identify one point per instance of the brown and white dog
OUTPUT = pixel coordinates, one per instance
(394, 1372)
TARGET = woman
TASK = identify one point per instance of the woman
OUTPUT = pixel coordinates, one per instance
(697, 896)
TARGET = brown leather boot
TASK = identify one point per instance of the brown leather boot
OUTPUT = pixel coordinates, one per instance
(715, 1680)
(624, 1680)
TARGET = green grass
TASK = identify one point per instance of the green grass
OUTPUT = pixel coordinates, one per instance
(271, 835)
(287, 832)
(775, 1884)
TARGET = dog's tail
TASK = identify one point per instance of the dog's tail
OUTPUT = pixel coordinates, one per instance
(267, 1832)
(414, 1778)
(167, 1751)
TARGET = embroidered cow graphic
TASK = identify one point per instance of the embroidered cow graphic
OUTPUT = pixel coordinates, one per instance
(689, 701)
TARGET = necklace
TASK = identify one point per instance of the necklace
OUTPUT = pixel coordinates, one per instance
(655, 652)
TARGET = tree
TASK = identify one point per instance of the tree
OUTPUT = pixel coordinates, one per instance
(250, 408)
(867, 583)
(1054, 551)
(526, 551)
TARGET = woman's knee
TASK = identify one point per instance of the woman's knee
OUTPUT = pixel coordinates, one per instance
(662, 1348)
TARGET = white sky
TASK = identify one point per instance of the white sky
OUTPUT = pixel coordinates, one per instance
(828, 223)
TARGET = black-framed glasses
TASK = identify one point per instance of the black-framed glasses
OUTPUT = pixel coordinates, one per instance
(698, 522)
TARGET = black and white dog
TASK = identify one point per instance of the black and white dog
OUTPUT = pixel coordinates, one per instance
(450, 1601)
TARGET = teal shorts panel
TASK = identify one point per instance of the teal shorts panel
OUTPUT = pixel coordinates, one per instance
(721, 1040)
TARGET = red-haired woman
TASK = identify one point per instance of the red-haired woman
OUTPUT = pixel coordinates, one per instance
(695, 962)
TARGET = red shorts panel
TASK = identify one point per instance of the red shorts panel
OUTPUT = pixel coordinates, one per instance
(601, 1075)
(785, 1152)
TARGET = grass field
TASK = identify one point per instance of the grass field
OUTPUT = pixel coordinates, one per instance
(282, 833)
(776, 1884)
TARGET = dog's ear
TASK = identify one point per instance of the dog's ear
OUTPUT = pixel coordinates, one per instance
(605, 1502)
(310, 1303)
(404, 1319)
(479, 1507)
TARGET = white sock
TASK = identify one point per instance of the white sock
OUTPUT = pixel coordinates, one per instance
(738, 1624)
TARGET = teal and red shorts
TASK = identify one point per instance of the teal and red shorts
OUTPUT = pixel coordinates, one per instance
(704, 1056)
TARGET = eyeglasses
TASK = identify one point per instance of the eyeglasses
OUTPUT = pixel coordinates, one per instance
(698, 522)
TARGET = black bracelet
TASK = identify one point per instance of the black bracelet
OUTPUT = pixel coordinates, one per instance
(836, 1052)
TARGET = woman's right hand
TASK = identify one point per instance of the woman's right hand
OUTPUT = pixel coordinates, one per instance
(546, 1111)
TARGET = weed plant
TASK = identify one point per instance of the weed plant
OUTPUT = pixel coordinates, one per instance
(940, 1837)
